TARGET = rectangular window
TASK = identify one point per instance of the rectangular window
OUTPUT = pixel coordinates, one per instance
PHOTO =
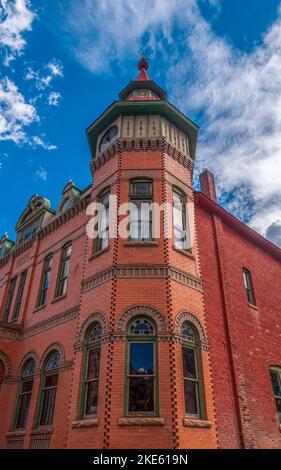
(190, 375)
(101, 241)
(92, 381)
(64, 270)
(141, 378)
(45, 281)
(27, 232)
(249, 287)
(19, 295)
(276, 385)
(9, 298)
(48, 399)
(24, 402)
(141, 212)
(179, 219)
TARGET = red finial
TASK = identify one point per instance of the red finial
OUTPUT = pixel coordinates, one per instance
(143, 66)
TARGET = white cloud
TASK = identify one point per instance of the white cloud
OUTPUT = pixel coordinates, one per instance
(16, 18)
(37, 141)
(41, 174)
(15, 113)
(43, 78)
(54, 98)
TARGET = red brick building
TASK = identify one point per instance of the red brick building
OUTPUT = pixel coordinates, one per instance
(145, 341)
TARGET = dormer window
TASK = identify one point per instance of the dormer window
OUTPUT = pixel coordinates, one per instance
(66, 204)
(27, 232)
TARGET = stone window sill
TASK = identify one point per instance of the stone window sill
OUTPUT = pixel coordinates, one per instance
(56, 299)
(85, 423)
(150, 243)
(99, 253)
(16, 434)
(253, 306)
(196, 423)
(141, 421)
(183, 252)
(42, 431)
(40, 307)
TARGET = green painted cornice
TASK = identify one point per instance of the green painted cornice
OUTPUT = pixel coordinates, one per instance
(158, 107)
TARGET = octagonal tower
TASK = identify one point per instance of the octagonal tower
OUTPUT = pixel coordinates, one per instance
(143, 292)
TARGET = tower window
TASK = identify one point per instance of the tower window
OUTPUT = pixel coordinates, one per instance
(275, 374)
(141, 197)
(191, 372)
(92, 371)
(9, 299)
(249, 287)
(102, 238)
(19, 295)
(141, 368)
(25, 392)
(179, 218)
(49, 389)
(64, 270)
(45, 280)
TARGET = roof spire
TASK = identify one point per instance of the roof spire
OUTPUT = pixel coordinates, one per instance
(143, 65)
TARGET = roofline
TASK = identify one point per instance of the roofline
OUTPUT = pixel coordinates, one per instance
(239, 226)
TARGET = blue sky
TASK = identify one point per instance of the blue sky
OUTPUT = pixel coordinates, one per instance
(64, 61)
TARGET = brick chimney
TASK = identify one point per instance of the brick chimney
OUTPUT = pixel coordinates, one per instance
(207, 184)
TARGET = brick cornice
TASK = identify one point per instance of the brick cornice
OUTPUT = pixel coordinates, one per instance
(18, 332)
(139, 145)
(142, 271)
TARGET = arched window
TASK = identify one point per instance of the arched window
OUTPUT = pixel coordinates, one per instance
(49, 389)
(249, 286)
(45, 280)
(91, 372)
(64, 270)
(25, 392)
(141, 368)
(141, 197)
(192, 376)
(179, 220)
(275, 375)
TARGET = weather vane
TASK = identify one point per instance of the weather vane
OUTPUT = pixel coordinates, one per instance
(144, 53)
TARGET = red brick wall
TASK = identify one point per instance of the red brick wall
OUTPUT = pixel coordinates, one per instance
(244, 342)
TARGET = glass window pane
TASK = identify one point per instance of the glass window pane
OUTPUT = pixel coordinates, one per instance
(93, 364)
(141, 358)
(48, 405)
(275, 383)
(141, 326)
(187, 332)
(141, 394)
(190, 391)
(53, 361)
(178, 217)
(23, 411)
(65, 270)
(92, 397)
(189, 363)
(51, 380)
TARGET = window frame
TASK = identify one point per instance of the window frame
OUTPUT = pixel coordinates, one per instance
(60, 279)
(98, 239)
(249, 287)
(138, 198)
(277, 370)
(19, 296)
(20, 394)
(200, 390)
(47, 373)
(141, 339)
(45, 271)
(182, 208)
(89, 346)
(9, 299)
